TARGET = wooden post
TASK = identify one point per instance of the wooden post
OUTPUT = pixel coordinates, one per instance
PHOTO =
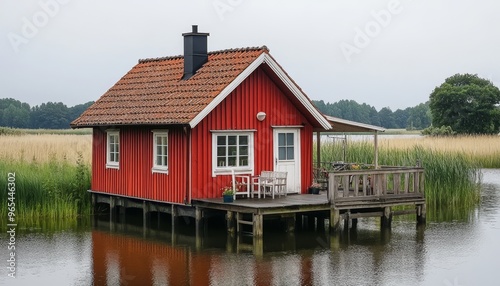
(258, 246)
(174, 217)
(376, 149)
(230, 222)
(386, 219)
(199, 222)
(318, 153)
(111, 209)
(145, 215)
(421, 214)
(334, 219)
(258, 225)
(289, 223)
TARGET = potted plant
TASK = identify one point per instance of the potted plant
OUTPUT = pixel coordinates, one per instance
(228, 194)
(314, 189)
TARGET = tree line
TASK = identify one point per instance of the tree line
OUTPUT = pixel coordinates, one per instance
(463, 104)
(411, 118)
(50, 115)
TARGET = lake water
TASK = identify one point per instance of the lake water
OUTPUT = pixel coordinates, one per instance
(463, 251)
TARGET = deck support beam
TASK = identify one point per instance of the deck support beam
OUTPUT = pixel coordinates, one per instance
(334, 219)
(289, 222)
(421, 214)
(230, 222)
(199, 221)
(386, 219)
(258, 225)
(174, 217)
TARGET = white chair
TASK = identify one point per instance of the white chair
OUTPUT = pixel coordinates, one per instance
(245, 181)
(263, 182)
(280, 183)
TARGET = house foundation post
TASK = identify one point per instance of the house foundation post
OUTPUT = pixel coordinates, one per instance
(174, 217)
(199, 221)
(289, 223)
(145, 217)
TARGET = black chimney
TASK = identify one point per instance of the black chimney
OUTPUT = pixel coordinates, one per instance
(195, 51)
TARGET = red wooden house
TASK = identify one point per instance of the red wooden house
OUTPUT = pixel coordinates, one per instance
(173, 128)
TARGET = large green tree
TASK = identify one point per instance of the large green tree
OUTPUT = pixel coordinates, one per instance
(467, 103)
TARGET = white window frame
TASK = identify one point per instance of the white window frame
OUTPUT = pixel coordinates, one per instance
(226, 170)
(109, 163)
(159, 168)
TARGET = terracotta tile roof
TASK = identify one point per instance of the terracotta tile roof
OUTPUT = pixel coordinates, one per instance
(153, 93)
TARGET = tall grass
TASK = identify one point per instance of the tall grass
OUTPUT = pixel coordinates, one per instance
(52, 176)
(484, 151)
(451, 177)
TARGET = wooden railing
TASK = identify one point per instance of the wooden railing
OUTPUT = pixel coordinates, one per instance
(386, 183)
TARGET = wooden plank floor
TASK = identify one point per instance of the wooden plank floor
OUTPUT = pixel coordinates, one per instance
(290, 203)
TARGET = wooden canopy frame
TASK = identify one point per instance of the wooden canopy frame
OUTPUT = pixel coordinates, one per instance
(340, 125)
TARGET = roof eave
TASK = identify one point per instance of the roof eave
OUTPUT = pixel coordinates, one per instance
(353, 125)
(296, 91)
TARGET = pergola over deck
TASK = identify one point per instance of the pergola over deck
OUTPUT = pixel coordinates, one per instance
(346, 126)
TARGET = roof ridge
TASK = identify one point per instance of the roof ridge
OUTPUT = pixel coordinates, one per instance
(246, 49)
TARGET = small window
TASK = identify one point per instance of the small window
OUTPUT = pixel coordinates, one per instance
(113, 149)
(232, 151)
(160, 151)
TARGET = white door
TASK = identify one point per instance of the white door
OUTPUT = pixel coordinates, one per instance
(287, 156)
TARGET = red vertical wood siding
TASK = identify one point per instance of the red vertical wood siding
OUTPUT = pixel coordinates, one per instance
(134, 178)
(238, 112)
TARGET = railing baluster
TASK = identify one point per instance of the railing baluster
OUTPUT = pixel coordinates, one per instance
(355, 184)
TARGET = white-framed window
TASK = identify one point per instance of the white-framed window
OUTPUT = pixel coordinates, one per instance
(160, 151)
(113, 149)
(232, 151)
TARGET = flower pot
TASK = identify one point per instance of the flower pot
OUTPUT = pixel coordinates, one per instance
(227, 198)
(314, 190)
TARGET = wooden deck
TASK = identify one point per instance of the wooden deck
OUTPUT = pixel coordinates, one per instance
(291, 203)
(349, 195)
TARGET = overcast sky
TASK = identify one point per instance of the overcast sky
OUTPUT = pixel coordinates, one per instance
(386, 53)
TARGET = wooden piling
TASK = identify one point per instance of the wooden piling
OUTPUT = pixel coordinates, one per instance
(386, 219)
(334, 219)
(258, 225)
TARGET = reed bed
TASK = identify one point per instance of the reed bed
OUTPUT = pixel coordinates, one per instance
(483, 151)
(52, 176)
(451, 176)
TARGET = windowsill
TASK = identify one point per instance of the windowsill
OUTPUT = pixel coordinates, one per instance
(159, 170)
(228, 171)
(112, 166)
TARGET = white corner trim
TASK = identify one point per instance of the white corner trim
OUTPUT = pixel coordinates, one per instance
(263, 58)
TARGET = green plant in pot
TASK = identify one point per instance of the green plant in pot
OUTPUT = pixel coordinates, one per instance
(314, 188)
(228, 194)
